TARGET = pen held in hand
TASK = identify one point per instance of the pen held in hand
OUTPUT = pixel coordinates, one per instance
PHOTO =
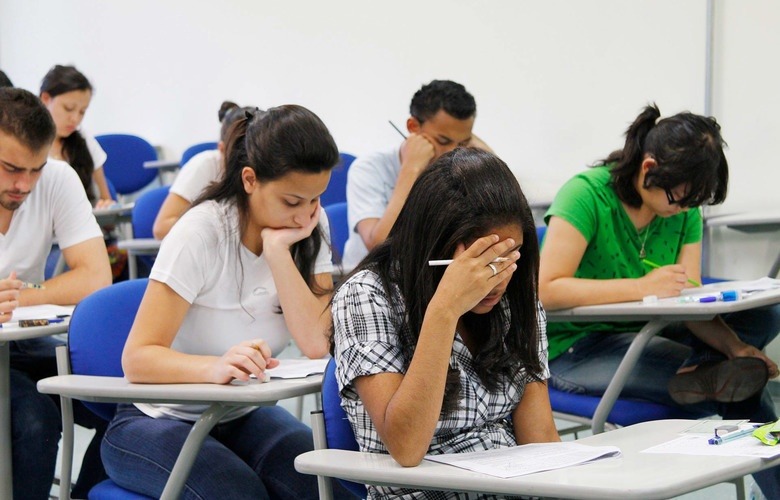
(35, 286)
(396, 128)
(447, 262)
(657, 266)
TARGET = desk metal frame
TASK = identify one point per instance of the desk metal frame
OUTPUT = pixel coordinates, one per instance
(221, 397)
(7, 336)
(634, 475)
(658, 316)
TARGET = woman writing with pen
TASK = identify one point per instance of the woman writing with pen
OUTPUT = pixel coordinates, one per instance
(470, 335)
(240, 274)
(628, 228)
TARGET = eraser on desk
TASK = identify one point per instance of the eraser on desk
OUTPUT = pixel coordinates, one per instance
(650, 299)
(729, 295)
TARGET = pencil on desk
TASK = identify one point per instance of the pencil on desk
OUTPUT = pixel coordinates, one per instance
(657, 266)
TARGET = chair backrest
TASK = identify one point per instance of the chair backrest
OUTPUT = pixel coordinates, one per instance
(540, 231)
(126, 156)
(98, 331)
(337, 429)
(337, 187)
(195, 149)
(146, 208)
(339, 228)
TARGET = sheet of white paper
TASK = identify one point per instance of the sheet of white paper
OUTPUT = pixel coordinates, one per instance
(758, 285)
(43, 311)
(298, 368)
(707, 427)
(691, 444)
(526, 459)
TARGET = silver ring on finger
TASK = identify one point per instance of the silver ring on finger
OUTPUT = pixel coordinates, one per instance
(493, 267)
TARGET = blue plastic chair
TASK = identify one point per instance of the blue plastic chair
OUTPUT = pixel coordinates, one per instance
(339, 229)
(125, 163)
(143, 245)
(332, 430)
(337, 188)
(145, 211)
(96, 337)
(195, 149)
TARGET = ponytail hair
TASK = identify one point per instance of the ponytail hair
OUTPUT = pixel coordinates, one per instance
(274, 143)
(61, 80)
(688, 150)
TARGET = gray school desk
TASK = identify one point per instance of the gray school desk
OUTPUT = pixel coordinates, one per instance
(113, 215)
(6, 336)
(756, 222)
(221, 398)
(658, 316)
(634, 475)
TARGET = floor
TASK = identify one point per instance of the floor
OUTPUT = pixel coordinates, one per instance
(724, 491)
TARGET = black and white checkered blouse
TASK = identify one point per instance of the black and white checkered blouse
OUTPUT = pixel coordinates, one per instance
(367, 331)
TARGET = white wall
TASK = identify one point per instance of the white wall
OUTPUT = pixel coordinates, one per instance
(556, 81)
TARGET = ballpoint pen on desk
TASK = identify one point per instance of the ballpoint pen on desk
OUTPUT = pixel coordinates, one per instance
(731, 436)
(447, 262)
(656, 266)
(396, 128)
(36, 286)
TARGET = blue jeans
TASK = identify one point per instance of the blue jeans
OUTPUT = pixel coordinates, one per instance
(588, 366)
(36, 424)
(247, 458)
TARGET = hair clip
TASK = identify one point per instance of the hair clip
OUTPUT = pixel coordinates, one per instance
(250, 114)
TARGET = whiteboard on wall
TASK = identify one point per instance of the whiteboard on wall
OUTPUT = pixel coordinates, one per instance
(556, 82)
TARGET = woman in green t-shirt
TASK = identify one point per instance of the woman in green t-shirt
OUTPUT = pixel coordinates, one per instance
(638, 206)
(641, 205)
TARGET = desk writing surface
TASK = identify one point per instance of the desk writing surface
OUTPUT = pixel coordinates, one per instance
(634, 475)
(117, 389)
(664, 309)
(749, 221)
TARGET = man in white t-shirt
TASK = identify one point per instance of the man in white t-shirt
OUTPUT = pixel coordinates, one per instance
(40, 200)
(441, 117)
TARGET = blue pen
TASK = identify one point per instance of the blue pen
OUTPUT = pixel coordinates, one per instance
(731, 436)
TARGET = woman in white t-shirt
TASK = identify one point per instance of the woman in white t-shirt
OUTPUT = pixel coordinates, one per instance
(66, 92)
(196, 175)
(239, 275)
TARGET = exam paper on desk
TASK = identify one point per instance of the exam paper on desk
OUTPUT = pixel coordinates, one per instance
(526, 459)
(691, 444)
(298, 367)
(47, 311)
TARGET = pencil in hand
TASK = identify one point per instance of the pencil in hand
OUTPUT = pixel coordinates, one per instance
(657, 266)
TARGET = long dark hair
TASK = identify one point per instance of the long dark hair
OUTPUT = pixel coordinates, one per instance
(688, 150)
(61, 80)
(273, 143)
(459, 198)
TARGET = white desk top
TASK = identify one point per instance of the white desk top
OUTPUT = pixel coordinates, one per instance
(634, 475)
(768, 220)
(140, 244)
(116, 389)
(162, 164)
(668, 310)
(113, 214)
